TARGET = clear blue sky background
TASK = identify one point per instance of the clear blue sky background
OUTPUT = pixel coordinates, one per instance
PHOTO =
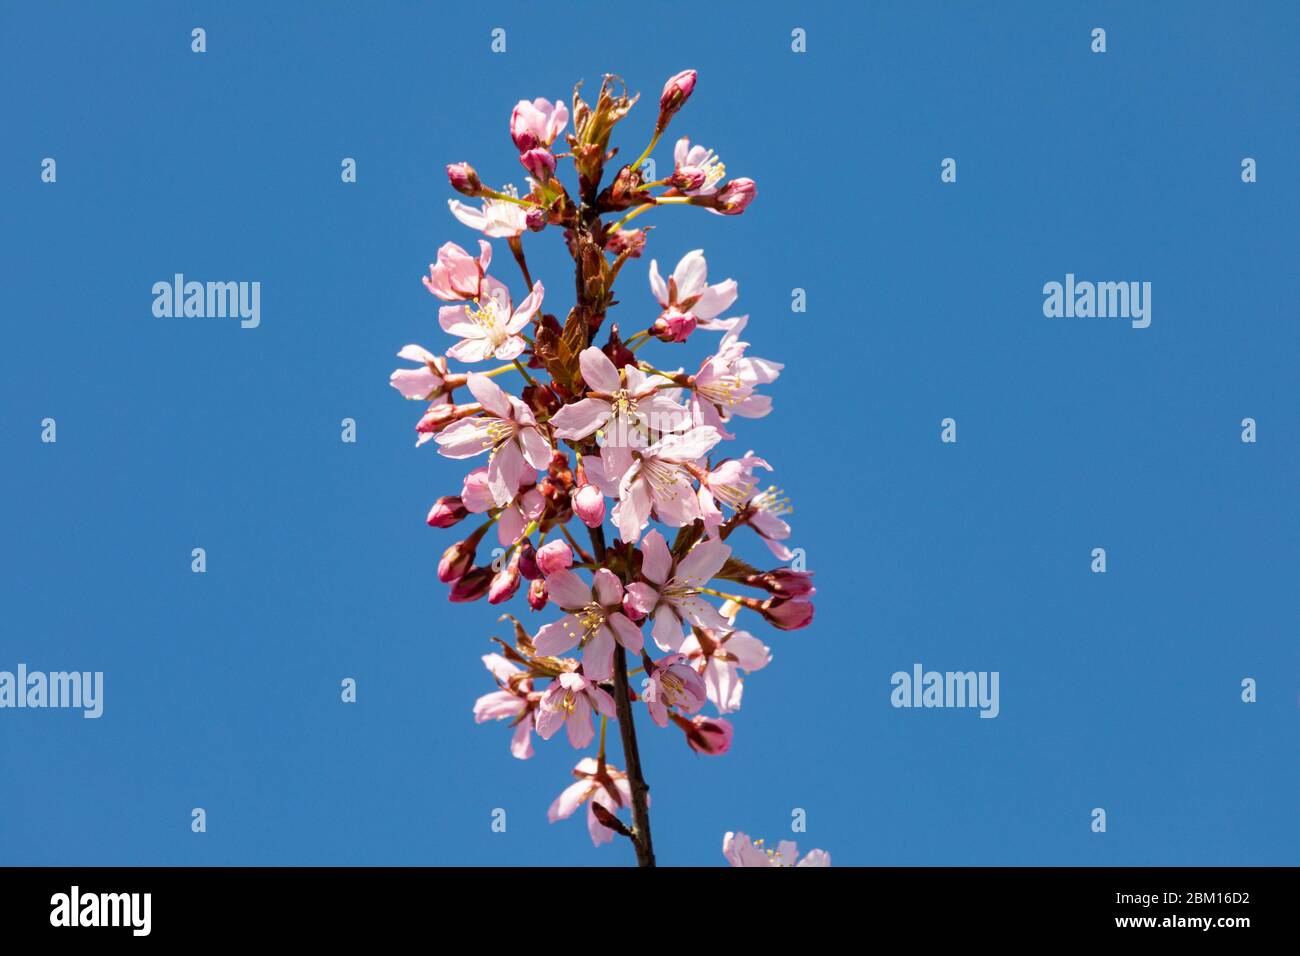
(1118, 691)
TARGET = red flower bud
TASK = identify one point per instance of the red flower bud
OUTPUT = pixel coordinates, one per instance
(537, 595)
(528, 561)
(472, 586)
(710, 736)
(464, 180)
(446, 511)
(505, 582)
(676, 92)
(539, 163)
(787, 614)
(734, 198)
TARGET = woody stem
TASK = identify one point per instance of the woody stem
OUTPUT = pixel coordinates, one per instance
(645, 854)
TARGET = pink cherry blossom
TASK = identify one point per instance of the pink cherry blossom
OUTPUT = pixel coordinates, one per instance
(672, 596)
(740, 851)
(424, 383)
(496, 218)
(524, 506)
(593, 785)
(489, 328)
(507, 430)
(731, 482)
(514, 701)
(569, 702)
(724, 386)
(456, 275)
(659, 482)
(595, 621)
(537, 123)
(672, 682)
(580, 426)
(627, 402)
(720, 656)
(696, 163)
(688, 289)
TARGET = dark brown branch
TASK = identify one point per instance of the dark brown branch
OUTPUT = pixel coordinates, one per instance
(645, 854)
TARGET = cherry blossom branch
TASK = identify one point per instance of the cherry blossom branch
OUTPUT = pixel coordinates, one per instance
(645, 854)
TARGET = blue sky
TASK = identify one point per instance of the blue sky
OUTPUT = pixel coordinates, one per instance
(924, 302)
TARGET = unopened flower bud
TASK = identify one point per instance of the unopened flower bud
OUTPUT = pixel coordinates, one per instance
(472, 586)
(589, 506)
(505, 582)
(710, 736)
(539, 163)
(535, 219)
(734, 198)
(783, 582)
(459, 558)
(554, 556)
(528, 561)
(446, 511)
(673, 326)
(688, 177)
(439, 417)
(537, 594)
(630, 241)
(632, 608)
(787, 614)
(464, 180)
(676, 92)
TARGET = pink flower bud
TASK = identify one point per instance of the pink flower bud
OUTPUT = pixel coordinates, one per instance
(787, 614)
(673, 326)
(688, 177)
(528, 561)
(472, 586)
(535, 219)
(537, 123)
(783, 582)
(459, 558)
(632, 607)
(631, 241)
(676, 92)
(554, 556)
(589, 506)
(463, 179)
(735, 197)
(505, 582)
(710, 736)
(539, 163)
(537, 594)
(446, 511)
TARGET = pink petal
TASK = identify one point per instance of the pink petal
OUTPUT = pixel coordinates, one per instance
(598, 371)
(568, 590)
(579, 419)
(489, 394)
(598, 656)
(558, 637)
(606, 587)
(656, 559)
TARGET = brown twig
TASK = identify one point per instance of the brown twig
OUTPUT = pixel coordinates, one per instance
(645, 854)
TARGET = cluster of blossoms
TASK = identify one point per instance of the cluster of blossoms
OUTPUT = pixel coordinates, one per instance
(597, 434)
(741, 851)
